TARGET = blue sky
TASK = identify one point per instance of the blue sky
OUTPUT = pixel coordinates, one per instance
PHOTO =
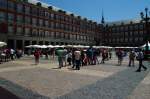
(114, 10)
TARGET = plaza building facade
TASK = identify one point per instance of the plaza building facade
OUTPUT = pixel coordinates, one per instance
(25, 22)
(125, 33)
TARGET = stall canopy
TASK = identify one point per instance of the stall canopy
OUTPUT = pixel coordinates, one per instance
(2, 44)
(33, 46)
(145, 45)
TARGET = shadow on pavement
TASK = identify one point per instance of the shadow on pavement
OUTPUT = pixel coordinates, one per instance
(56, 68)
(117, 86)
(5, 94)
(10, 90)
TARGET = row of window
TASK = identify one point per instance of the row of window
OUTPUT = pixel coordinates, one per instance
(127, 28)
(3, 3)
(20, 8)
(41, 22)
(117, 40)
(135, 33)
(42, 33)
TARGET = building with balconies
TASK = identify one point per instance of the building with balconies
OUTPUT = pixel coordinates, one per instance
(25, 22)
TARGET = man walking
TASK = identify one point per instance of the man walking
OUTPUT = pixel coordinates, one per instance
(140, 58)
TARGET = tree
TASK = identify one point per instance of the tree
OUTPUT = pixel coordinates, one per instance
(39, 4)
(50, 7)
(79, 17)
(72, 15)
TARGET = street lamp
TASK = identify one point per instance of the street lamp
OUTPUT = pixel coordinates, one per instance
(146, 19)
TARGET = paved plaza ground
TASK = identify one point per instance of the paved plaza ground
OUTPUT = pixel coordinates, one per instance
(103, 81)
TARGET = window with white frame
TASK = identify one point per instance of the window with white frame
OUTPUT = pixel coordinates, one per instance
(141, 26)
(19, 8)
(34, 21)
(62, 35)
(19, 30)
(19, 19)
(47, 33)
(3, 3)
(34, 32)
(10, 17)
(10, 29)
(40, 22)
(52, 16)
(27, 10)
(11, 5)
(126, 39)
(46, 14)
(2, 16)
(28, 20)
(52, 25)
(52, 34)
(46, 23)
(27, 31)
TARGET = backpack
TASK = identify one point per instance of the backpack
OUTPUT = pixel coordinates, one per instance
(140, 56)
(132, 55)
(119, 54)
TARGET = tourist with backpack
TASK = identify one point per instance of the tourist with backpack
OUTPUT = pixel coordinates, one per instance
(131, 58)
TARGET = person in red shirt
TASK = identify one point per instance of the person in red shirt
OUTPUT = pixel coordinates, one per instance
(37, 56)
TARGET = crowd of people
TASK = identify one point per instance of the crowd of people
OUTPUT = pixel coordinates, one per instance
(81, 57)
(139, 56)
(10, 54)
(77, 57)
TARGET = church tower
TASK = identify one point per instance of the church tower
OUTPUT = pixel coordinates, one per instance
(102, 20)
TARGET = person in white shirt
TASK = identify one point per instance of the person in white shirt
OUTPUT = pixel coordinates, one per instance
(12, 52)
(77, 54)
(140, 58)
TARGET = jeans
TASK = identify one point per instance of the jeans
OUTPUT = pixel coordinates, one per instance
(60, 60)
(141, 65)
(78, 64)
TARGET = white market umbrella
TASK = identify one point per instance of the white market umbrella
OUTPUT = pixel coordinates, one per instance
(36, 46)
(98, 46)
(33, 46)
(44, 46)
(29, 46)
(86, 46)
(119, 47)
(68, 45)
(56, 46)
(62, 46)
(78, 46)
(75, 46)
(50, 46)
(2, 44)
(145, 45)
(108, 47)
(94, 46)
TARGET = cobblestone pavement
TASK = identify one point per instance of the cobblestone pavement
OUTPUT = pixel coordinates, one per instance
(102, 81)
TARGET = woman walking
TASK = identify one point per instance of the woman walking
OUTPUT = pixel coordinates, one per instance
(37, 56)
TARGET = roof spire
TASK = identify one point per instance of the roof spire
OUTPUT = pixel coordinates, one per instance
(102, 20)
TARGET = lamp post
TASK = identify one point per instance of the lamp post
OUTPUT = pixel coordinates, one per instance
(146, 19)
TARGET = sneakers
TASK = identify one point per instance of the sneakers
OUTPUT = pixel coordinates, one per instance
(138, 71)
(145, 69)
